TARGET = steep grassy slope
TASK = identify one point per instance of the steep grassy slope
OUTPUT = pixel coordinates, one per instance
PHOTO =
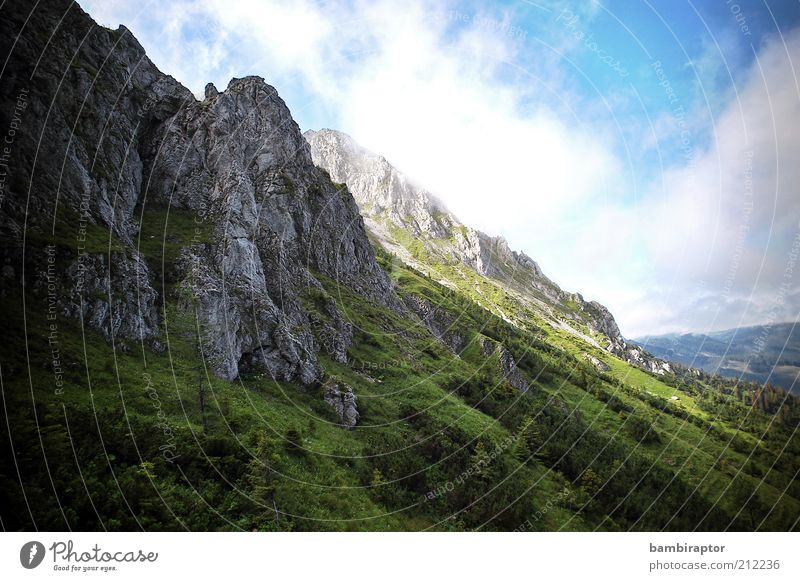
(121, 437)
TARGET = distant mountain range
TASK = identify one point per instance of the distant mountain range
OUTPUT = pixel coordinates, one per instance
(764, 353)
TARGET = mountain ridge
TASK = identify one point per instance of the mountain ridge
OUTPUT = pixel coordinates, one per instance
(389, 200)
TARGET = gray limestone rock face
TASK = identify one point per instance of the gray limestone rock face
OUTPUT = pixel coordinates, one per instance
(211, 91)
(509, 368)
(385, 194)
(240, 160)
(598, 364)
(440, 322)
(376, 185)
(641, 358)
(488, 346)
(89, 105)
(343, 401)
(114, 296)
(113, 136)
(507, 363)
(83, 100)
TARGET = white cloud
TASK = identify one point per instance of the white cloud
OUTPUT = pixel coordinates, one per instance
(720, 228)
(402, 83)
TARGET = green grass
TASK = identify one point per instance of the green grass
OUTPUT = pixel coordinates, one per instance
(427, 418)
(165, 232)
(74, 234)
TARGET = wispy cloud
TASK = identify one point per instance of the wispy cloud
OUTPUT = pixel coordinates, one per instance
(719, 229)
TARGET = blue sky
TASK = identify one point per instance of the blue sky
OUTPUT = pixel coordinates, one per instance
(645, 153)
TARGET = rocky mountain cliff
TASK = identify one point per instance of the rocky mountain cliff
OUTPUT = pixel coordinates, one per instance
(107, 141)
(401, 215)
(111, 140)
(389, 199)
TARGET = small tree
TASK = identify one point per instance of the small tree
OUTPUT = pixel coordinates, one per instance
(642, 430)
(479, 461)
(260, 475)
(294, 441)
(590, 482)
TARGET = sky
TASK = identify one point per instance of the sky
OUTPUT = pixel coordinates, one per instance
(645, 154)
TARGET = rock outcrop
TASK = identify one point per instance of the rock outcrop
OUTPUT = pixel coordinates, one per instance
(81, 102)
(387, 198)
(598, 364)
(343, 401)
(507, 363)
(641, 358)
(128, 312)
(238, 159)
(440, 322)
(92, 100)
